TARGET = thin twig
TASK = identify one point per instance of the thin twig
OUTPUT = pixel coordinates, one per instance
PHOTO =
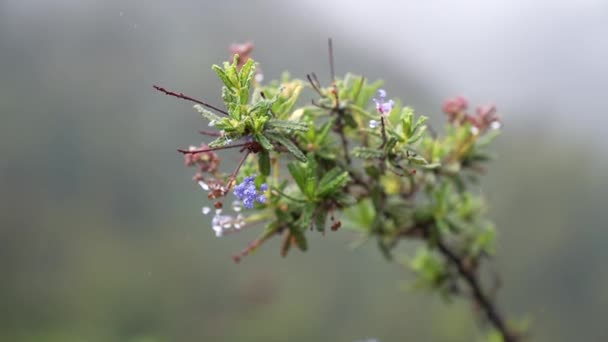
(332, 72)
(314, 85)
(210, 133)
(236, 171)
(188, 98)
(210, 149)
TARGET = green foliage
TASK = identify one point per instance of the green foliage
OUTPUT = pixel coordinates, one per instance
(389, 179)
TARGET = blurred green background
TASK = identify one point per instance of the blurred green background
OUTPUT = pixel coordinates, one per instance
(101, 236)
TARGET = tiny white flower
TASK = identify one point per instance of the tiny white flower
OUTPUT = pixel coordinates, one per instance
(373, 124)
(211, 123)
(206, 210)
(474, 130)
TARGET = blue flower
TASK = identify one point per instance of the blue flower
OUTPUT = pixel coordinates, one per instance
(248, 193)
(384, 107)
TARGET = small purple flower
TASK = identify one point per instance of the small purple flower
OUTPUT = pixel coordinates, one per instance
(384, 107)
(247, 192)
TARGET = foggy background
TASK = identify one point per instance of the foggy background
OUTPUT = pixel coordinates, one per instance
(101, 236)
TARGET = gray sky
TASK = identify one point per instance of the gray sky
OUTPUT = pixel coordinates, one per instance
(534, 58)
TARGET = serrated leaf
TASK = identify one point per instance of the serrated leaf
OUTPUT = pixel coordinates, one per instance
(247, 73)
(220, 141)
(223, 76)
(263, 141)
(329, 175)
(332, 185)
(287, 125)
(367, 153)
(291, 147)
(212, 117)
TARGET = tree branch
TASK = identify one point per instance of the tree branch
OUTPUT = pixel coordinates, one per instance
(188, 98)
(471, 279)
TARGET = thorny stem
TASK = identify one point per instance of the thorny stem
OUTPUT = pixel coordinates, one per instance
(188, 98)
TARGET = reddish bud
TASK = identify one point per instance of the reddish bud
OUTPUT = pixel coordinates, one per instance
(455, 105)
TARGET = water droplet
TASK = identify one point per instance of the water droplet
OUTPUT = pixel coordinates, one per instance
(204, 185)
(206, 210)
(237, 206)
(495, 125)
(373, 124)
(218, 230)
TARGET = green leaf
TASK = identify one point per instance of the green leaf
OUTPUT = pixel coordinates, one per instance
(421, 120)
(212, 117)
(419, 133)
(487, 138)
(299, 175)
(334, 182)
(300, 239)
(417, 159)
(287, 125)
(367, 153)
(311, 185)
(429, 268)
(223, 76)
(247, 73)
(263, 141)
(264, 162)
(324, 131)
(291, 147)
(221, 141)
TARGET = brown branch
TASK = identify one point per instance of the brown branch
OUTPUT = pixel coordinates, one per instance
(188, 98)
(471, 279)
